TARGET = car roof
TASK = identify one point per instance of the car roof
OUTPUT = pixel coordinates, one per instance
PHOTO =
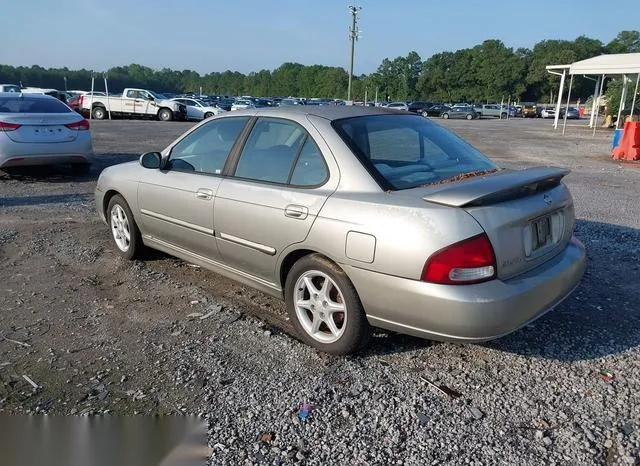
(31, 95)
(328, 112)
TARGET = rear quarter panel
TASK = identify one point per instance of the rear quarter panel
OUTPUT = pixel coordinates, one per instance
(406, 230)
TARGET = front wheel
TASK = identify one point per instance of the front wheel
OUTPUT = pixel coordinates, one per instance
(324, 307)
(503, 116)
(425, 114)
(445, 116)
(124, 230)
(165, 115)
(208, 115)
(469, 117)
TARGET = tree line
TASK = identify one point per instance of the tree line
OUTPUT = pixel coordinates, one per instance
(487, 72)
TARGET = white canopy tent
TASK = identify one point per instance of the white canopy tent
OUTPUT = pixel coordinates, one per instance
(623, 64)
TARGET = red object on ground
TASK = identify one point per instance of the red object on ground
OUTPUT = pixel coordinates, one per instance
(629, 147)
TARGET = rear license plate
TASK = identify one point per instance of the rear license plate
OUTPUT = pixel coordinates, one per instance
(43, 131)
(541, 232)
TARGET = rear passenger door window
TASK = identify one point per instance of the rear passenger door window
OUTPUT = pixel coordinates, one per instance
(271, 151)
(206, 149)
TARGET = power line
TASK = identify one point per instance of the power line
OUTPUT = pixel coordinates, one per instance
(353, 36)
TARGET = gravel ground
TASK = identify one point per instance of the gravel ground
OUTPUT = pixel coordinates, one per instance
(97, 334)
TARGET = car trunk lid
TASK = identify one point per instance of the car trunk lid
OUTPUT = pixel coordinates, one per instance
(528, 215)
(41, 128)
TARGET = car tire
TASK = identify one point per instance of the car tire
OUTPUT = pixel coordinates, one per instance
(469, 117)
(121, 222)
(425, 114)
(322, 285)
(165, 114)
(99, 113)
(503, 116)
(208, 115)
(445, 116)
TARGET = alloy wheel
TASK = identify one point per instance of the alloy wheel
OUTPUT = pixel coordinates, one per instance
(120, 228)
(320, 306)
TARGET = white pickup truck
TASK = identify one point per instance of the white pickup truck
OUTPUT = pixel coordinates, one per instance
(133, 103)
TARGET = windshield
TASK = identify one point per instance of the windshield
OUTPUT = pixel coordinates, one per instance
(27, 104)
(407, 151)
(156, 95)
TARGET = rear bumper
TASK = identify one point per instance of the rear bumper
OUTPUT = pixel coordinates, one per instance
(468, 313)
(29, 160)
(23, 154)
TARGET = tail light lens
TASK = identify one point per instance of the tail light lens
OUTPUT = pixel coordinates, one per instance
(469, 261)
(9, 126)
(80, 100)
(82, 125)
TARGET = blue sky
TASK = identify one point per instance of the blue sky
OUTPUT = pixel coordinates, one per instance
(249, 35)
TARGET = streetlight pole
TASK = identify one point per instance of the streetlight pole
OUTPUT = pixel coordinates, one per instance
(353, 35)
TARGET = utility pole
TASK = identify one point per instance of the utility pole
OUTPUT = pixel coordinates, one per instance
(353, 35)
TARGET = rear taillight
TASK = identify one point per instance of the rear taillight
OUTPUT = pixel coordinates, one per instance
(82, 125)
(9, 126)
(80, 100)
(469, 261)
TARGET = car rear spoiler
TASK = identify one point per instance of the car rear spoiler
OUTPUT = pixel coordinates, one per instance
(497, 187)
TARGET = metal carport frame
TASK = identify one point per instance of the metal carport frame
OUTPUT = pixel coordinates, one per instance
(601, 66)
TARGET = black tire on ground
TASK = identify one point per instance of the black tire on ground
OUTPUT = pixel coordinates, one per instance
(469, 117)
(445, 116)
(135, 248)
(81, 168)
(99, 113)
(208, 115)
(165, 114)
(425, 114)
(503, 116)
(356, 331)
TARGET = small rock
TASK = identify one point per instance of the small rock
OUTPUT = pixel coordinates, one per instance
(423, 419)
(300, 456)
(608, 443)
(627, 429)
(267, 333)
(345, 414)
(539, 435)
(547, 441)
(475, 413)
(195, 301)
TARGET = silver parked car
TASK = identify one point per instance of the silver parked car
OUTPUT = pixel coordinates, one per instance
(37, 129)
(357, 217)
(398, 106)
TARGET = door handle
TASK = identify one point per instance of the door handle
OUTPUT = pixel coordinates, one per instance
(204, 194)
(296, 211)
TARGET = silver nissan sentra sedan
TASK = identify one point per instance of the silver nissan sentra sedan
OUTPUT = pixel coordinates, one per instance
(356, 217)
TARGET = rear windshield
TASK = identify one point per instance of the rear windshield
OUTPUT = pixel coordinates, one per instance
(407, 151)
(32, 105)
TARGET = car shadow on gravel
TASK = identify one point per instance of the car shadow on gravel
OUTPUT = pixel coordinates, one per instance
(76, 198)
(65, 173)
(602, 316)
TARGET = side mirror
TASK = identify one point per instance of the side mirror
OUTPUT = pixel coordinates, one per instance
(151, 160)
